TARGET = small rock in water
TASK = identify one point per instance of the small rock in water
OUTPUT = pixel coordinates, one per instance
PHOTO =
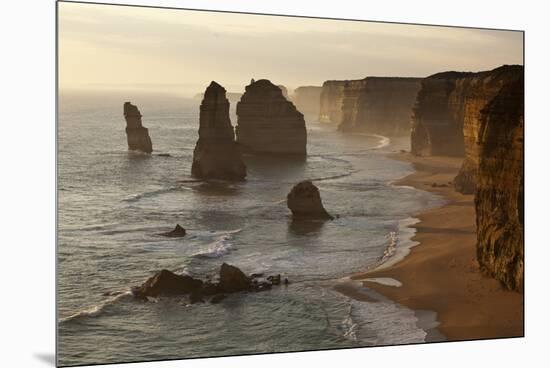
(178, 232)
(217, 298)
(305, 202)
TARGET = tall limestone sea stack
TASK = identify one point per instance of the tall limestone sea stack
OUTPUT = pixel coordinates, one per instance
(332, 96)
(268, 122)
(499, 195)
(136, 134)
(216, 155)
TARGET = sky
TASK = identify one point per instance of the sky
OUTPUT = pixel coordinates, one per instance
(106, 47)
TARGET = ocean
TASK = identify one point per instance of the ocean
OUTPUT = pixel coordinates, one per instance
(112, 203)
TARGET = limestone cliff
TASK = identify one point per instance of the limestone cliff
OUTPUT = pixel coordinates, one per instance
(476, 92)
(499, 197)
(268, 122)
(332, 95)
(379, 105)
(307, 100)
(216, 155)
(136, 134)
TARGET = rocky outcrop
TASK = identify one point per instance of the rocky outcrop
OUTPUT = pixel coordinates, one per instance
(499, 195)
(437, 118)
(308, 100)
(231, 280)
(284, 90)
(216, 155)
(178, 232)
(268, 122)
(477, 92)
(136, 134)
(447, 106)
(332, 96)
(379, 105)
(304, 200)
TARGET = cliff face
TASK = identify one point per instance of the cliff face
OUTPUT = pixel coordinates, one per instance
(499, 192)
(268, 122)
(478, 91)
(379, 105)
(136, 134)
(216, 155)
(332, 95)
(446, 113)
(307, 100)
(437, 117)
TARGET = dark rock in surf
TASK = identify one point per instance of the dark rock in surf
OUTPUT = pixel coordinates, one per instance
(304, 200)
(233, 279)
(217, 298)
(168, 283)
(178, 232)
(137, 135)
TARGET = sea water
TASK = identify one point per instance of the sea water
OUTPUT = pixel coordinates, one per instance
(112, 203)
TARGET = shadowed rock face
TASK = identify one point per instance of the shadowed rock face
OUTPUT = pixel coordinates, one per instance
(479, 91)
(268, 122)
(499, 192)
(331, 99)
(379, 105)
(308, 100)
(305, 202)
(446, 111)
(137, 135)
(216, 155)
(233, 279)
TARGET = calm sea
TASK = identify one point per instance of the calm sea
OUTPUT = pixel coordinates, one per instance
(112, 203)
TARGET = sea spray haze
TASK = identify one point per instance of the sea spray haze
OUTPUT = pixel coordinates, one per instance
(113, 203)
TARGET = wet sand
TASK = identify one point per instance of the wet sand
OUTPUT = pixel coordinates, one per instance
(441, 274)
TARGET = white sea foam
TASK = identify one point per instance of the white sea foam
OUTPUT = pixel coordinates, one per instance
(96, 310)
(219, 247)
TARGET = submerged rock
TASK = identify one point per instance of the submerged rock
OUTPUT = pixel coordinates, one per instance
(178, 232)
(216, 155)
(268, 122)
(304, 200)
(136, 134)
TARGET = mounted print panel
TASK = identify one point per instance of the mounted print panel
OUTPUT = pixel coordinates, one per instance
(234, 183)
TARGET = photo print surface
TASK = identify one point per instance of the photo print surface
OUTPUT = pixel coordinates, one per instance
(235, 184)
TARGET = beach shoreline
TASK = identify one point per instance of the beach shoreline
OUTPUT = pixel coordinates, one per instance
(441, 273)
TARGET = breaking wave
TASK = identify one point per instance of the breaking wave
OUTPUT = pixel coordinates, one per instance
(97, 310)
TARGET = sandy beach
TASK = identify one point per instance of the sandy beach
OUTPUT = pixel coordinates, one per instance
(441, 274)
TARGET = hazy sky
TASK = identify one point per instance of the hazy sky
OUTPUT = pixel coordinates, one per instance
(180, 51)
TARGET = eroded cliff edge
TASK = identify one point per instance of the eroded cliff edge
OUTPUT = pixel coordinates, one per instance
(499, 196)
(308, 100)
(268, 122)
(216, 155)
(379, 105)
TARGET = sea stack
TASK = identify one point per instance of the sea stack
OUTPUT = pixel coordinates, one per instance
(268, 122)
(304, 200)
(216, 155)
(137, 134)
(499, 195)
(330, 103)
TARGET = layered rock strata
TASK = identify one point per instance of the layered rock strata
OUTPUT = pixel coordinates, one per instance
(136, 134)
(216, 155)
(268, 122)
(304, 201)
(477, 91)
(499, 195)
(332, 96)
(379, 105)
(307, 100)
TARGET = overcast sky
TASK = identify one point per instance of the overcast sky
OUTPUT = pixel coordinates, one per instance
(181, 51)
